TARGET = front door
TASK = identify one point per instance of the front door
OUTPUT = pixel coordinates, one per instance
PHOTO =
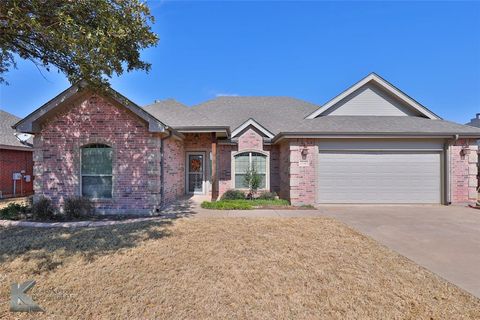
(195, 178)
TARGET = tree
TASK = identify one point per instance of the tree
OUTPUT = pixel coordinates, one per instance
(253, 181)
(85, 39)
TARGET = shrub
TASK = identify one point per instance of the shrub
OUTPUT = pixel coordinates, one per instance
(243, 204)
(77, 207)
(267, 195)
(14, 211)
(253, 181)
(233, 194)
(42, 209)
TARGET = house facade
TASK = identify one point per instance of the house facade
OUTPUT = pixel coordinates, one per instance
(16, 159)
(370, 144)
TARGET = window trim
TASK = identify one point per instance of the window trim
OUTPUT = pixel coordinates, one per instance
(267, 169)
(95, 175)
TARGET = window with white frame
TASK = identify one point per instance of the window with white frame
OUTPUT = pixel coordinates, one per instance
(96, 171)
(246, 160)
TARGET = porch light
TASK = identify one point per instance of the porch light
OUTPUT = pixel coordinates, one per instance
(304, 152)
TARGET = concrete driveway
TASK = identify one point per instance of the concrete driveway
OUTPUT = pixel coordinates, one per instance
(445, 240)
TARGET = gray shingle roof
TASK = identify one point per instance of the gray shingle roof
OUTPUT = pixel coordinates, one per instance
(380, 124)
(7, 137)
(176, 114)
(284, 114)
(270, 112)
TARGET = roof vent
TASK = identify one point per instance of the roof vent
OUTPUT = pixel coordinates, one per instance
(478, 115)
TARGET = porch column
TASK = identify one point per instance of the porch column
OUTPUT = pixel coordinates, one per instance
(214, 168)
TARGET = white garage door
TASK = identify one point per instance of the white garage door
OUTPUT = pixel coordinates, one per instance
(378, 177)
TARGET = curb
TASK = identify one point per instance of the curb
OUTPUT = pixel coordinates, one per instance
(77, 224)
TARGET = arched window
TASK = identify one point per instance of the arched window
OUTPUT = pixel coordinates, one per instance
(246, 160)
(96, 171)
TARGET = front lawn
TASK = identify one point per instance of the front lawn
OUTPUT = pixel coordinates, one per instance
(222, 268)
(244, 204)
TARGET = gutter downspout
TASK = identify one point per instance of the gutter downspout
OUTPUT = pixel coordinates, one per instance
(162, 176)
(447, 168)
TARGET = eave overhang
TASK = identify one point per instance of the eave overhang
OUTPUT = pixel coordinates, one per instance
(377, 135)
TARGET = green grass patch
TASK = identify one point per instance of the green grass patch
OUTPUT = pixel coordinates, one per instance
(243, 204)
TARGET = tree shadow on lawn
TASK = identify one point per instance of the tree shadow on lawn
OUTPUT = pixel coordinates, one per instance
(48, 248)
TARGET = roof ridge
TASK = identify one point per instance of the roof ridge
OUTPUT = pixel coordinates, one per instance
(220, 98)
(156, 102)
(10, 114)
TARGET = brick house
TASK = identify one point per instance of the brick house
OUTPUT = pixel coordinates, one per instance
(370, 144)
(16, 157)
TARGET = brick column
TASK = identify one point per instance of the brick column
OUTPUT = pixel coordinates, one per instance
(214, 168)
(303, 157)
(463, 179)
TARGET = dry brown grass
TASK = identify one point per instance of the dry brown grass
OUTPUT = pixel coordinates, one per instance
(5, 202)
(223, 268)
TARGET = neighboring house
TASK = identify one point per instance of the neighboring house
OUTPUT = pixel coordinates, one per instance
(475, 122)
(370, 144)
(16, 154)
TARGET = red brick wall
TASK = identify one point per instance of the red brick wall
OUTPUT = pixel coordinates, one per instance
(225, 167)
(463, 174)
(174, 169)
(284, 170)
(136, 160)
(274, 167)
(250, 140)
(15, 161)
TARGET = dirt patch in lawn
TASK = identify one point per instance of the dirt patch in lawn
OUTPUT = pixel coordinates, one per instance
(223, 268)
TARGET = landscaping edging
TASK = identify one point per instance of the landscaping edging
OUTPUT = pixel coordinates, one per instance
(77, 224)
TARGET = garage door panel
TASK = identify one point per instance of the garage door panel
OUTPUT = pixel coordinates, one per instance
(376, 177)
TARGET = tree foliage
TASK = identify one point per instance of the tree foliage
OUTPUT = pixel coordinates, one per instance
(253, 180)
(85, 39)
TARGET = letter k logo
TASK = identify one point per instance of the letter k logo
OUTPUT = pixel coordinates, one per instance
(19, 301)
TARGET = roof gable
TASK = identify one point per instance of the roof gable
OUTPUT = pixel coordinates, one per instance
(31, 123)
(373, 96)
(252, 123)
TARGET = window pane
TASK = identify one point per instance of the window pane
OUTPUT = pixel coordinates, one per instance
(97, 160)
(242, 162)
(262, 181)
(240, 181)
(259, 162)
(195, 163)
(97, 187)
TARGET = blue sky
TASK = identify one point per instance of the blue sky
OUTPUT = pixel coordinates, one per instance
(308, 50)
